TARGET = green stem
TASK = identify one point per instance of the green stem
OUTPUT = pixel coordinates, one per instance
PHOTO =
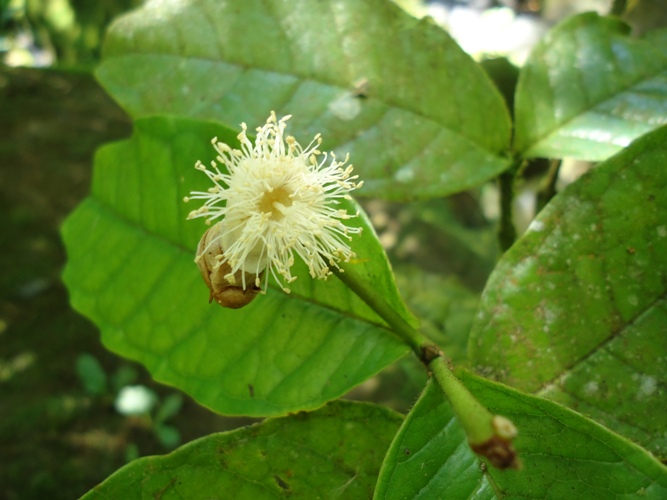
(548, 187)
(485, 436)
(506, 229)
(373, 298)
(474, 417)
(617, 8)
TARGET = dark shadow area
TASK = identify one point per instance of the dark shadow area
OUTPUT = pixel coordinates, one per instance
(56, 439)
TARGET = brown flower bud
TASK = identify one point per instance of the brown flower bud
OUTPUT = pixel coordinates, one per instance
(228, 291)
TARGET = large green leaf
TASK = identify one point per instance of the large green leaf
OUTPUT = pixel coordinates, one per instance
(419, 117)
(334, 452)
(577, 308)
(588, 90)
(131, 271)
(563, 454)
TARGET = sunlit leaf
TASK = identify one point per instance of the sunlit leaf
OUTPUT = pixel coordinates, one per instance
(563, 454)
(418, 116)
(131, 271)
(577, 308)
(334, 452)
(589, 89)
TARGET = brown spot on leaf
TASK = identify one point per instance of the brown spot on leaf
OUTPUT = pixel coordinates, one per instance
(281, 483)
(158, 493)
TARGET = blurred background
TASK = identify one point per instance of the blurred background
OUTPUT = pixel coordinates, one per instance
(71, 412)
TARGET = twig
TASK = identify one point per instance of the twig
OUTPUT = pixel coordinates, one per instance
(506, 229)
(548, 186)
(487, 433)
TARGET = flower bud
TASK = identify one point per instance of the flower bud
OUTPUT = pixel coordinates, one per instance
(229, 290)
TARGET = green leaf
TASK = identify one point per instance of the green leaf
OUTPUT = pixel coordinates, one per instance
(125, 375)
(334, 452)
(131, 271)
(563, 454)
(131, 452)
(588, 90)
(168, 435)
(430, 456)
(169, 408)
(577, 308)
(658, 38)
(418, 115)
(91, 374)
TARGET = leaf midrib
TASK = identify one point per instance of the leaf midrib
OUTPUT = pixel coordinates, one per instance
(614, 334)
(301, 80)
(554, 131)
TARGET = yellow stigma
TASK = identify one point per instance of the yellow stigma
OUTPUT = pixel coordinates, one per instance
(275, 202)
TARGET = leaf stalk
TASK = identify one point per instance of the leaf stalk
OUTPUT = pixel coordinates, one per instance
(506, 229)
(488, 435)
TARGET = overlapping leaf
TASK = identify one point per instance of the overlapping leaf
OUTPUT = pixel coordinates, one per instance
(589, 89)
(563, 454)
(334, 452)
(418, 116)
(131, 271)
(577, 308)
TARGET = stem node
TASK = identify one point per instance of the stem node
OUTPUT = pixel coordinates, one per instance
(429, 352)
(488, 435)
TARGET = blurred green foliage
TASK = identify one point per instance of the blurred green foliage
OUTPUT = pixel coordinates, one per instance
(70, 31)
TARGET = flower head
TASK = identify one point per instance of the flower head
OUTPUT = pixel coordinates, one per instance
(276, 200)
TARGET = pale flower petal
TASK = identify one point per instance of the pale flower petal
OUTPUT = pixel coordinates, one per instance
(276, 200)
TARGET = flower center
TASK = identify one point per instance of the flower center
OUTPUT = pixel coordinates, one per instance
(275, 203)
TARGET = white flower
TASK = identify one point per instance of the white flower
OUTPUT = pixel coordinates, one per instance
(135, 400)
(277, 199)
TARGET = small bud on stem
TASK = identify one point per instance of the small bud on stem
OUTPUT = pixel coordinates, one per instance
(229, 290)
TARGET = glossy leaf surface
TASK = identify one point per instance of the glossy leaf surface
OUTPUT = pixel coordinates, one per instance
(334, 452)
(563, 454)
(589, 89)
(577, 308)
(131, 271)
(418, 115)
